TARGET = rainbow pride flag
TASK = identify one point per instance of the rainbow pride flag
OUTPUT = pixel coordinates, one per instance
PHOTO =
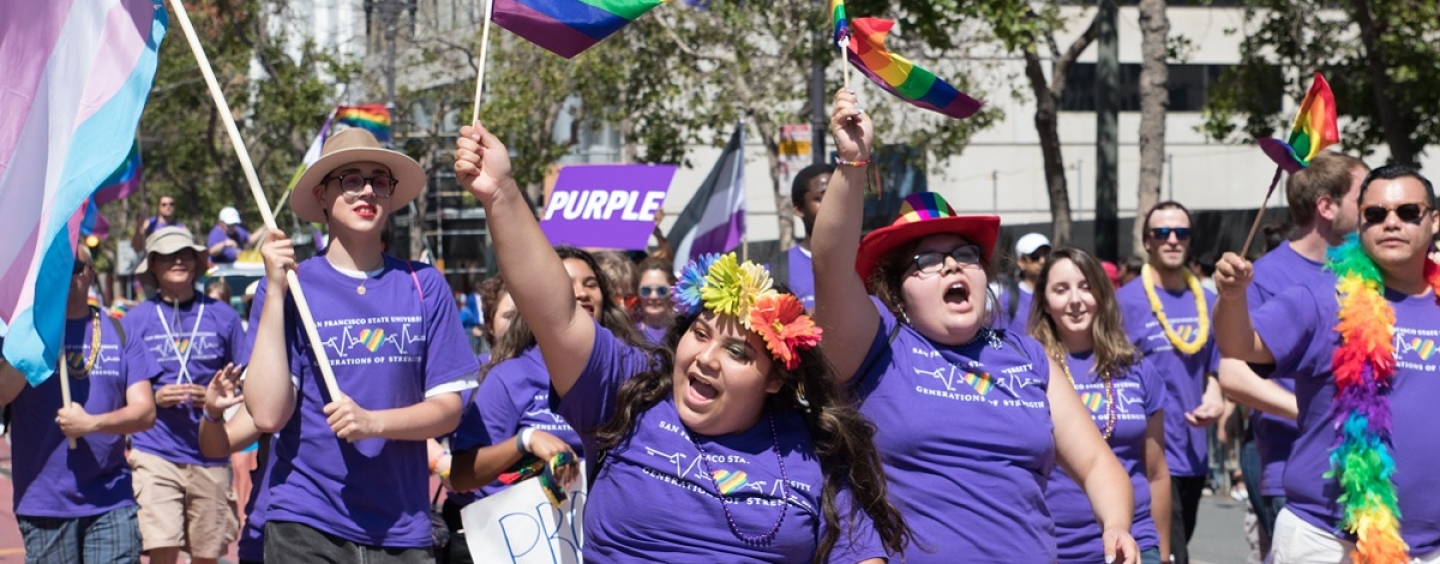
(1314, 129)
(863, 40)
(372, 117)
(568, 27)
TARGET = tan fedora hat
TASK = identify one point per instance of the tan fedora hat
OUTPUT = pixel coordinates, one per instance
(355, 145)
(168, 241)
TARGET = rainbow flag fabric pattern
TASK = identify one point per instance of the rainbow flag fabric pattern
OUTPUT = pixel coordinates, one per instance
(374, 118)
(863, 40)
(1313, 130)
(568, 27)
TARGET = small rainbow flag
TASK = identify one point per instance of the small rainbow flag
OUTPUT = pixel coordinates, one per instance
(568, 27)
(372, 117)
(864, 42)
(1314, 129)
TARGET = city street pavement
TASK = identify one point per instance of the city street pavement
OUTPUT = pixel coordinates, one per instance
(1220, 533)
(1219, 537)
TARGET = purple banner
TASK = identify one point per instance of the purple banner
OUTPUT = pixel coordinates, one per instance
(606, 206)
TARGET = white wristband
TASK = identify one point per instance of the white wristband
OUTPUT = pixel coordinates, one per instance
(522, 440)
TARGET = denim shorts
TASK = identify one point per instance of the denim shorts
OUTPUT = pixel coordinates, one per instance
(112, 537)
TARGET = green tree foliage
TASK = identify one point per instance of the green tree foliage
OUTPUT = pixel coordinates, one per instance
(186, 150)
(681, 75)
(1380, 57)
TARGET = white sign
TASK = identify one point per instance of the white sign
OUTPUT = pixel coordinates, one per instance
(520, 526)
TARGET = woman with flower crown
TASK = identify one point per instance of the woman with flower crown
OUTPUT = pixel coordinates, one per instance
(1075, 316)
(733, 430)
(970, 420)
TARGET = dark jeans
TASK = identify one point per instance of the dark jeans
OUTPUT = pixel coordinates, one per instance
(1185, 494)
(456, 552)
(1267, 507)
(110, 537)
(293, 542)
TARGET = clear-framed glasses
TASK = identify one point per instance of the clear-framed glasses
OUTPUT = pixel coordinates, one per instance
(353, 184)
(930, 262)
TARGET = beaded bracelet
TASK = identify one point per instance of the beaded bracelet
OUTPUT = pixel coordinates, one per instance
(206, 415)
(852, 164)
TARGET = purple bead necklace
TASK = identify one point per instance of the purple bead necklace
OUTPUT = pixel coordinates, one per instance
(766, 538)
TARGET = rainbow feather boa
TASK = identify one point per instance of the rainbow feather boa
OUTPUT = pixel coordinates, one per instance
(1364, 365)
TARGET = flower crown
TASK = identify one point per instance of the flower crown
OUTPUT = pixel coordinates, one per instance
(723, 285)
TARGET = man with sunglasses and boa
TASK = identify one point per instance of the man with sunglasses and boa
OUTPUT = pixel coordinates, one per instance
(1166, 313)
(1360, 484)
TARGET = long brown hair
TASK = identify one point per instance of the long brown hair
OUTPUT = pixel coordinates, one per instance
(612, 316)
(1114, 354)
(844, 439)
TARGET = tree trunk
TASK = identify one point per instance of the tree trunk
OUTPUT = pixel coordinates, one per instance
(1154, 99)
(1397, 132)
(784, 211)
(1046, 125)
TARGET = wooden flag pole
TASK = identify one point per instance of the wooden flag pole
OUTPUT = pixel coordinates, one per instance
(1261, 214)
(65, 387)
(484, 56)
(292, 281)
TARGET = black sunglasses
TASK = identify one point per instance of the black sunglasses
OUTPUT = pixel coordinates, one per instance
(655, 291)
(1163, 233)
(930, 262)
(1409, 213)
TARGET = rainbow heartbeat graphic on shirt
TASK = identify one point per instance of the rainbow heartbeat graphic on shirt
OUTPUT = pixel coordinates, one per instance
(728, 481)
(1093, 401)
(204, 345)
(1424, 348)
(372, 339)
(950, 377)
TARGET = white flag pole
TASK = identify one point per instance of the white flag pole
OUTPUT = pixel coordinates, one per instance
(291, 279)
(484, 56)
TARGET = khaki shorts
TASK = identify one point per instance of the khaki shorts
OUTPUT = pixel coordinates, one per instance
(184, 502)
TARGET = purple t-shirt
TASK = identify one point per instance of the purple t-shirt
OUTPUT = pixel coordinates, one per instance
(155, 223)
(388, 350)
(218, 235)
(1298, 326)
(1018, 324)
(1277, 271)
(1186, 449)
(654, 335)
(1138, 395)
(967, 442)
(802, 276)
(50, 479)
(514, 395)
(659, 464)
(208, 346)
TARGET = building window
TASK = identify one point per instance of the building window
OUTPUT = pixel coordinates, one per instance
(1189, 85)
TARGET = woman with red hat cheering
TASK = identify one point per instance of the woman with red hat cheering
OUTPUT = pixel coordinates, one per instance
(970, 420)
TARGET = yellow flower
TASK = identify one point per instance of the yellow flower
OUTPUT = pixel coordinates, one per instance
(732, 288)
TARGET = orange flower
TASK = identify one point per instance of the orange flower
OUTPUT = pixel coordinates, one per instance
(781, 321)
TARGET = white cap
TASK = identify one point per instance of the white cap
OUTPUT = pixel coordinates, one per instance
(1029, 243)
(230, 216)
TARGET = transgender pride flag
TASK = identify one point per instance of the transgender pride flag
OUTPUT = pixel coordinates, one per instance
(77, 73)
(714, 220)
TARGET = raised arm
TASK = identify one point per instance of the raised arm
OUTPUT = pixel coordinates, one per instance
(269, 391)
(842, 306)
(1234, 333)
(219, 437)
(12, 382)
(533, 273)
